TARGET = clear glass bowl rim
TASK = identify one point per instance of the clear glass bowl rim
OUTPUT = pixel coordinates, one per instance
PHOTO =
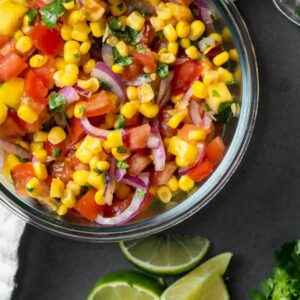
(208, 190)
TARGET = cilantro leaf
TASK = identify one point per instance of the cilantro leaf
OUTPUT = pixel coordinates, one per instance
(57, 102)
(225, 112)
(104, 85)
(122, 61)
(215, 93)
(56, 153)
(114, 24)
(121, 149)
(32, 14)
(163, 71)
(52, 12)
(129, 35)
(120, 123)
(122, 165)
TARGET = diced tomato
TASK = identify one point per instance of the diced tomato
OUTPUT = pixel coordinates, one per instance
(202, 170)
(117, 207)
(184, 75)
(76, 130)
(185, 130)
(11, 66)
(136, 137)
(35, 88)
(215, 150)
(24, 126)
(46, 73)
(138, 163)
(164, 117)
(87, 206)
(134, 121)
(146, 60)
(56, 151)
(47, 41)
(164, 176)
(148, 34)
(36, 4)
(21, 174)
(98, 105)
(10, 127)
(147, 202)
(3, 40)
(8, 48)
(133, 70)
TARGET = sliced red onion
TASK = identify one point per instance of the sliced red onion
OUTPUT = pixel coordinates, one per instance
(180, 61)
(110, 184)
(195, 113)
(120, 173)
(185, 101)
(206, 14)
(92, 130)
(107, 55)
(153, 141)
(159, 154)
(139, 81)
(201, 148)
(2, 158)
(207, 121)
(83, 92)
(135, 182)
(14, 149)
(104, 73)
(80, 3)
(206, 43)
(164, 87)
(70, 94)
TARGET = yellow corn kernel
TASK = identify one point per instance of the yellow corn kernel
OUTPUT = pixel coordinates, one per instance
(183, 29)
(173, 184)
(221, 59)
(122, 191)
(198, 135)
(79, 109)
(157, 23)
(217, 37)
(69, 45)
(164, 194)
(24, 44)
(33, 187)
(170, 33)
(181, 162)
(26, 21)
(161, 51)
(197, 29)
(226, 34)
(98, 28)
(60, 63)
(199, 90)
(149, 110)
(167, 58)
(14, 88)
(135, 21)
(56, 135)
(69, 79)
(35, 146)
(68, 199)
(192, 52)
(129, 109)
(119, 156)
(225, 75)
(233, 54)
(95, 10)
(118, 9)
(132, 93)
(99, 197)
(163, 11)
(40, 155)
(93, 163)
(173, 48)
(40, 136)
(122, 48)
(57, 188)
(112, 40)
(85, 47)
(217, 94)
(80, 177)
(186, 183)
(96, 180)
(71, 69)
(74, 188)
(10, 162)
(185, 43)
(210, 76)
(89, 66)
(69, 5)
(177, 98)
(25, 29)
(71, 52)
(3, 112)
(91, 144)
(66, 31)
(122, 19)
(80, 32)
(116, 68)
(75, 17)
(37, 61)
(171, 21)
(91, 84)
(40, 170)
(177, 119)
(27, 114)
(103, 165)
(18, 34)
(62, 210)
(84, 155)
(115, 139)
(182, 13)
(145, 93)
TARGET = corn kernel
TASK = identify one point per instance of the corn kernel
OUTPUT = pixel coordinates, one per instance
(163, 11)
(27, 114)
(33, 187)
(157, 23)
(71, 52)
(96, 180)
(57, 188)
(3, 112)
(192, 52)
(115, 139)
(129, 109)
(173, 184)
(84, 155)
(26, 21)
(217, 37)
(221, 58)
(225, 75)
(182, 13)
(99, 197)
(112, 41)
(69, 79)
(56, 135)
(40, 171)
(60, 63)
(173, 48)
(80, 177)
(98, 28)
(210, 76)
(170, 33)
(71, 69)
(116, 68)
(167, 58)
(132, 93)
(75, 17)
(103, 165)
(135, 21)
(69, 5)
(35, 146)
(10, 162)
(197, 29)
(233, 54)
(91, 84)
(80, 32)
(177, 98)
(177, 119)
(24, 44)
(85, 47)
(18, 34)
(183, 29)
(40, 155)
(79, 109)
(171, 21)
(68, 199)
(186, 183)
(89, 66)
(66, 31)
(118, 9)
(122, 48)
(197, 135)
(145, 93)
(25, 29)
(40, 136)
(74, 188)
(164, 194)
(226, 34)
(37, 61)
(95, 10)
(199, 90)
(62, 210)
(122, 191)
(149, 110)
(185, 43)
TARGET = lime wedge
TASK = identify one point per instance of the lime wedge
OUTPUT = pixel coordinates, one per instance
(126, 285)
(164, 254)
(203, 283)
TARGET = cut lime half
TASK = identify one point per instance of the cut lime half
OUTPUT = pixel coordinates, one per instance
(126, 285)
(165, 254)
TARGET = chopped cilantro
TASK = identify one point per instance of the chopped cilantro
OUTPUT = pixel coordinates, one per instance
(160, 35)
(76, 55)
(120, 123)
(97, 171)
(104, 85)
(121, 149)
(122, 61)
(215, 93)
(122, 165)
(32, 14)
(29, 190)
(114, 24)
(129, 35)
(52, 12)
(231, 82)
(141, 48)
(297, 11)
(225, 112)
(57, 102)
(163, 71)
(56, 153)
(140, 193)
(120, 6)
(22, 159)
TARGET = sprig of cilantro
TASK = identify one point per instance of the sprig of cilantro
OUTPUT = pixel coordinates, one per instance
(57, 105)
(119, 59)
(52, 12)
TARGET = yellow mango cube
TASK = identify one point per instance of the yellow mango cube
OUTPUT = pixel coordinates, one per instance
(217, 94)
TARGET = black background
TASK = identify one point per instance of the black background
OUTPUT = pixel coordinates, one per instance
(257, 210)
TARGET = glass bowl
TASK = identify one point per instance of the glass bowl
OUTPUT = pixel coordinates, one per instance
(160, 216)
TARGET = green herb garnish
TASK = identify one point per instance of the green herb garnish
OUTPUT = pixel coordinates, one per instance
(57, 105)
(104, 85)
(160, 35)
(214, 93)
(162, 71)
(121, 149)
(120, 123)
(140, 193)
(120, 6)
(97, 171)
(32, 14)
(225, 112)
(52, 12)
(56, 153)
(114, 24)
(118, 59)
(29, 190)
(141, 49)
(122, 165)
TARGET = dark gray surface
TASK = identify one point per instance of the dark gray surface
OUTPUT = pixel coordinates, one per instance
(258, 209)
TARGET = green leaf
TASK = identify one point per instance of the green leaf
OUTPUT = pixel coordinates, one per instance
(29, 190)
(215, 93)
(133, 35)
(163, 70)
(122, 165)
(225, 112)
(121, 149)
(118, 59)
(32, 14)
(57, 102)
(160, 35)
(114, 24)
(120, 123)
(52, 12)
(104, 85)
(141, 48)
(56, 153)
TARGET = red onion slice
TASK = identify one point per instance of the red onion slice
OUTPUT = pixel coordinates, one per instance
(164, 86)
(92, 130)
(153, 141)
(159, 154)
(104, 73)
(107, 55)
(135, 182)
(120, 173)
(139, 81)
(2, 159)
(14, 149)
(207, 121)
(70, 94)
(195, 113)
(83, 92)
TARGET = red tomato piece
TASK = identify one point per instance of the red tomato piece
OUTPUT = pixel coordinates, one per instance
(215, 150)
(202, 170)
(184, 75)
(133, 70)
(3, 40)
(11, 66)
(47, 41)
(10, 126)
(56, 151)
(46, 72)
(87, 207)
(35, 88)
(138, 163)
(76, 130)
(8, 48)
(134, 121)
(146, 60)
(36, 4)
(98, 105)
(162, 177)
(136, 137)
(21, 174)
(117, 207)
(24, 126)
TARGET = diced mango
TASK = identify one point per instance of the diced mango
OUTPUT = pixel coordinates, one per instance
(217, 94)
(11, 92)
